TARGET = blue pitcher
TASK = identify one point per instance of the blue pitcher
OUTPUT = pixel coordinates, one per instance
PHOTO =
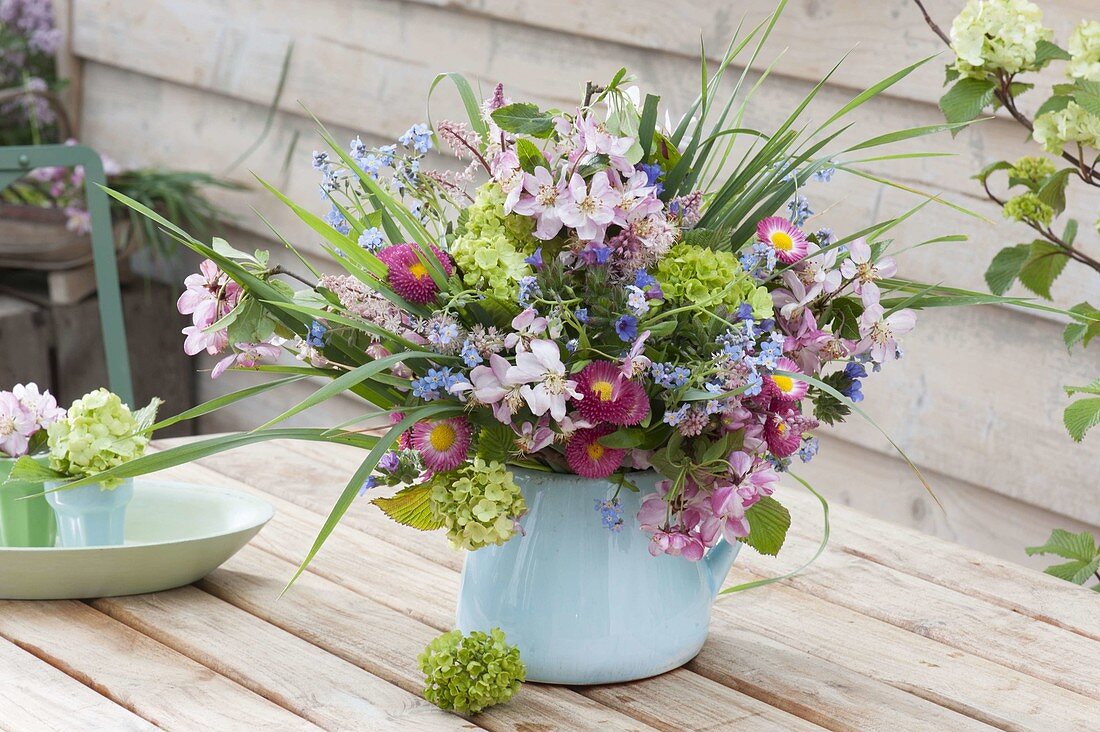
(89, 515)
(586, 605)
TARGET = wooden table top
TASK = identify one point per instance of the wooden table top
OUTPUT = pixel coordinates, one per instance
(890, 629)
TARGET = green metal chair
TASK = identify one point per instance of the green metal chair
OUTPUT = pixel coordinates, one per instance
(15, 162)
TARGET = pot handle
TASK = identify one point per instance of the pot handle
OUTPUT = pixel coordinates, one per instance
(718, 562)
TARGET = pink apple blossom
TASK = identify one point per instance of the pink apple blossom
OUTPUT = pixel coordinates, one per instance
(16, 425)
(589, 209)
(541, 202)
(542, 373)
(860, 268)
(878, 331)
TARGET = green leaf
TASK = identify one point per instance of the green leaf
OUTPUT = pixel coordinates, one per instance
(30, 470)
(1045, 52)
(1005, 268)
(716, 239)
(1087, 95)
(768, 523)
(648, 123)
(1056, 103)
(966, 99)
(496, 441)
(1084, 328)
(1053, 190)
(623, 439)
(1080, 548)
(411, 506)
(469, 101)
(148, 414)
(224, 401)
(524, 118)
(1044, 263)
(983, 174)
(530, 157)
(1081, 416)
(1066, 545)
(845, 320)
(349, 379)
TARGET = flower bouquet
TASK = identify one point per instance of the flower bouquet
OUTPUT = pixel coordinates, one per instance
(96, 434)
(590, 350)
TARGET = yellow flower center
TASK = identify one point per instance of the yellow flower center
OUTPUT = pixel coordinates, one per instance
(595, 451)
(782, 428)
(785, 383)
(442, 437)
(782, 241)
(419, 271)
(602, 389)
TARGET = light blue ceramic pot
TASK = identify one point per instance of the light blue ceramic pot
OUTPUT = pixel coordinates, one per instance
(583, 604)
(89, 515)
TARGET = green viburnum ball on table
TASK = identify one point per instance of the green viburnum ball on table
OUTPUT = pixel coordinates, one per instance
(469, 673)
(1084, 51)
(992, 35)
(703, 276)
(1028, 207)
(478, 504)
(98, 433)
(491, 249)
(1033, 170)
(1072, 124)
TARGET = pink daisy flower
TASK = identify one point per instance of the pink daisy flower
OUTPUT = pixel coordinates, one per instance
(788, 389)
(443, 444)
(408, 276)
(588, 458)
(781, 435)
(789, 242)
(608, 397)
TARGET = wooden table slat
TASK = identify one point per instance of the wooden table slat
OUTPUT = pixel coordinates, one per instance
(255, 654)
(156, 683)
(970, 624)
(1013, 586)
(383, 641)
(36, 696)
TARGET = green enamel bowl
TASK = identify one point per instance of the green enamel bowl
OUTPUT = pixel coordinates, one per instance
(176, 534)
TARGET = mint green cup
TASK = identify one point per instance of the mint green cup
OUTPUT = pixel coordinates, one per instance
(24, 521)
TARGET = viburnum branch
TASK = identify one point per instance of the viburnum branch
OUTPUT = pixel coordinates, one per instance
(1003, 94)
(1048, 234)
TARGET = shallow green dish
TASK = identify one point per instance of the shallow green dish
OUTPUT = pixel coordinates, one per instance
(176, 533)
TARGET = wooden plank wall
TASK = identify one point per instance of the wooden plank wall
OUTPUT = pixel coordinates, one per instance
(976, 403)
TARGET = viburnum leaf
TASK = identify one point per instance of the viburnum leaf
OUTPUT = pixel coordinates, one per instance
(1080, 548)
(1044, 263)
(1045, 52)
(966, 99)
(1005, 268)
(1081, 416)
(411, 506)
(524, 118)
(1084, 330)
(496, 442)
(768, 524)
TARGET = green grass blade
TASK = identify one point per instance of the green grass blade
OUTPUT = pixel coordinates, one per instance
(224, 401)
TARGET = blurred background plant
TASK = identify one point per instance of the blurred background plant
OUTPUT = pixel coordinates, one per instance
(31, 113)
(997, 42)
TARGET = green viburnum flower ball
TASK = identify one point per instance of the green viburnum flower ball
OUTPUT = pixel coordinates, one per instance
(1084, 51)
(469, 673)
(98, 433)
(702, 276)
(491, 249)
(997, 34)
(1033, 170)
(1028, 207)
(1072, 124)
(477, 504)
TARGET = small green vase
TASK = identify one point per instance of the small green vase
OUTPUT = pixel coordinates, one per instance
(24, 521)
